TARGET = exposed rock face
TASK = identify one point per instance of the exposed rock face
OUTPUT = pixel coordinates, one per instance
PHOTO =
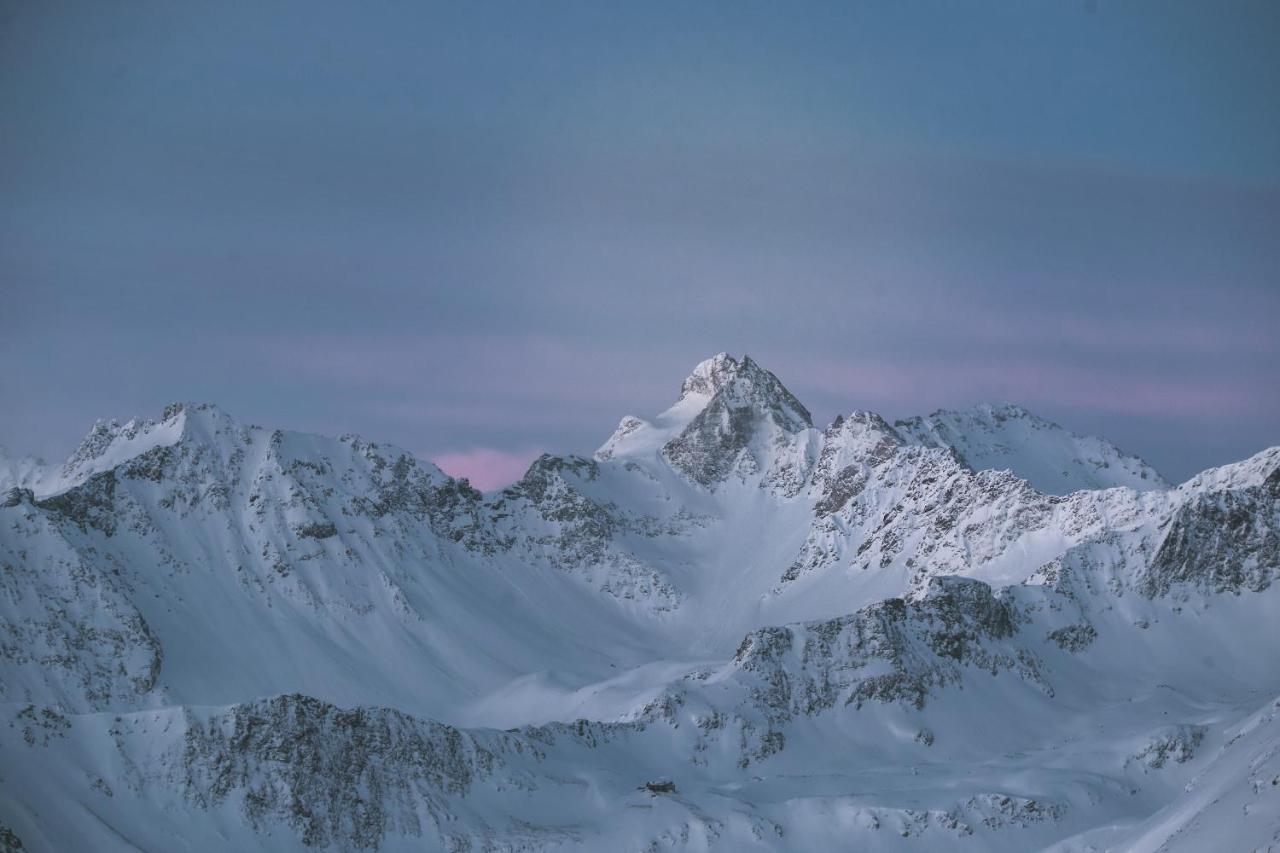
(69, 632)
(340, 778)
(1220, 541)
(924, 512)
(90, 504)
(1052, 459)
(931, 652)
(893, 651)
(16, 495)
(1178, 744)
(746, 408)
(547, 515)
(743, 384)
(852, 450)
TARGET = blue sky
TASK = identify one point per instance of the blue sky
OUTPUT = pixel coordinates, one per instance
(485, 230)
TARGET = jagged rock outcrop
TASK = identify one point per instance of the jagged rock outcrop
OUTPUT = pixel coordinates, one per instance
(1220, 541)
(892, 651)
(1178, 744)
(746, 412)
(339, 778)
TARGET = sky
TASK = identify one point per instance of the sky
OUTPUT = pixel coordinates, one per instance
(483, 231)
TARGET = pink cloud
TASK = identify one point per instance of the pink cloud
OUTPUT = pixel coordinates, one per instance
(485, 467)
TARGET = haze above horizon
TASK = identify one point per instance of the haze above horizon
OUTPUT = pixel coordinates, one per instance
(480, 233)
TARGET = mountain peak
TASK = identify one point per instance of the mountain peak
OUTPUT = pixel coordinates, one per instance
(710, 375)
(717, 388)
(110, 443)
(727, 408)
(744, 383)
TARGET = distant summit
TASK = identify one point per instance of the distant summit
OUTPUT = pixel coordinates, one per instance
(1052, 459)
(725, 404)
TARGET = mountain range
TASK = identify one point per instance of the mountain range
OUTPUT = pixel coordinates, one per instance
(727, 629)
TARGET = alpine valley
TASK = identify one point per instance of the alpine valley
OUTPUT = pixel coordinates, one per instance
(728, 630)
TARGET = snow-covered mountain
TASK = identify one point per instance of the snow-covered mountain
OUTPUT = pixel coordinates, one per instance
(1044, 454)
(727, 630)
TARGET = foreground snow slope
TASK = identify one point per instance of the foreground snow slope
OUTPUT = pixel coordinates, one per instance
(727, 630)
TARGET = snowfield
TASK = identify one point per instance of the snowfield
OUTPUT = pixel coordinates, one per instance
(727, 630)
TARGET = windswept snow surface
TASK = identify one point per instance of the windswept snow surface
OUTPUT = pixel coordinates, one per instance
(727, 630)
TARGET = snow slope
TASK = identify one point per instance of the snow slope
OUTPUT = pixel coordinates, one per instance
(728, 630)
